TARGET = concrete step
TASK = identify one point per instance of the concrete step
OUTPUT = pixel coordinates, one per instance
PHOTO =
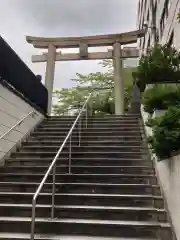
(91, 124)
(102, 142)
(93, 128)
(101, 178)
(81, 199)
(95, 118)
(107, 134)
(84, 137)
(24, 236)
(86, 187)
(98, 148)
(87, 130)
(135, 155)
(81, 161)
(80, 169)
(87, 227)
(99, 122)
(85, 212)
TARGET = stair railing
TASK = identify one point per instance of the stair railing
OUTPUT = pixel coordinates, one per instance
(52, 167)
(18, 123)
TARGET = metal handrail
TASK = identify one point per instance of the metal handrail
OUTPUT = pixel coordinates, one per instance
(17, 124)
(53, 166)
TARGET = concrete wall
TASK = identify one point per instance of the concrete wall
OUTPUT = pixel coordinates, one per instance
(171, 22)
(12, 109)
(168, 172)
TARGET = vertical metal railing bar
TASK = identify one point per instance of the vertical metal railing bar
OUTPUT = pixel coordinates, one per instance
(86, 115)
(53, 190)
(70, 152)
(52, 167)
(33, 217)
(80, 132)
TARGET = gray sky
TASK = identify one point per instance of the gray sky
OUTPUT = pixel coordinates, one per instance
(19, 18)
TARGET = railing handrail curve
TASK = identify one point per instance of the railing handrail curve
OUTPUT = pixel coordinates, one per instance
(52, 165)
(17, 124)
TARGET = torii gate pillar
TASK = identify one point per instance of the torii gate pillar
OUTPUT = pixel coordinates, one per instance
(118, 79)
(49, 77)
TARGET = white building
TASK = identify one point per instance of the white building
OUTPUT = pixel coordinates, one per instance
(161, 19)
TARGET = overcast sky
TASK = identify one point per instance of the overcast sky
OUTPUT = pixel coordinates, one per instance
(19, 18)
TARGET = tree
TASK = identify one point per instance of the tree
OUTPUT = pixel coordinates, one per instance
(102, 84)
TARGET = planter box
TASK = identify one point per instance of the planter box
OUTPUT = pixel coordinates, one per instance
(166, 78)
(158, 113)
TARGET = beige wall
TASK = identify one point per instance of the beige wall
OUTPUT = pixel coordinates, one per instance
(12, 109)
(169, 176)
(169, 173)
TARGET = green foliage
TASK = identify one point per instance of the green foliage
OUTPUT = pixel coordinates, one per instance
(160, 64)
(178, 17)
(166, 133)
(160, 97)
(102, 84)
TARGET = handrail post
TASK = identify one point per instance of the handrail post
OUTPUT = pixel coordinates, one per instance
(70, 152)
(53, 190)
(86, 114)
(33, 218)
(80, 131)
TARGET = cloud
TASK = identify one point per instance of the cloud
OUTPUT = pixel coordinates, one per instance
(75, 16)
(63, 18)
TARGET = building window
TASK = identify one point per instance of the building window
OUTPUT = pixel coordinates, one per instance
(149, 41)
(166, 8)
(162, 23)
(145, 3)
(165, 15)
(155, 12)
(157, 35)
(148, 16)
(143, 45)
(171, 39)
(140, 42)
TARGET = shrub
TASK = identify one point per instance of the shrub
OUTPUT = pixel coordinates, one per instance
(160, 64)
(178, 17)
(160, 97)
(166, 133)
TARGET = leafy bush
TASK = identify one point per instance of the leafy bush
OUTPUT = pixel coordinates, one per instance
(160, 97)
(160, 64)
(69, 100)
(178, 17)
(166, 133)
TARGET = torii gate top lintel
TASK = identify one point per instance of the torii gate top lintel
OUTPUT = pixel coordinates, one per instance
(91, 41)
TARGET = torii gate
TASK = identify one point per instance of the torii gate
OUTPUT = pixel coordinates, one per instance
(117, 54)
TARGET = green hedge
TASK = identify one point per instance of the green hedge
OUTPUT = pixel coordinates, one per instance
(160, 97)
(161, 64)
(166, 133)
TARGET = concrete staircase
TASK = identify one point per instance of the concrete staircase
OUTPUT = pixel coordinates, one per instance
(112, 191)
